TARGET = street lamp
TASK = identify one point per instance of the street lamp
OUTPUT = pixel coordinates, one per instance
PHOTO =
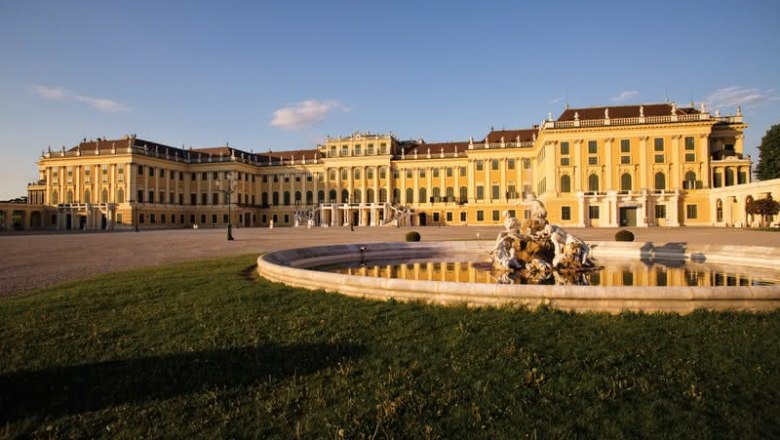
(229, 188)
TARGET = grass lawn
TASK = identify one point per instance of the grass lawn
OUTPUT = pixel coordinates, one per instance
(208, 350)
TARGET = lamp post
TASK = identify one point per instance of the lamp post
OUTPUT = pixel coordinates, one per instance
(228, 188)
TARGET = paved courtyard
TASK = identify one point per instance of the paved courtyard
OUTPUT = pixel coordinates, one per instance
(32, 261)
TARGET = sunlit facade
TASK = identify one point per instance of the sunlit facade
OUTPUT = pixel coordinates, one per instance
(642, 165)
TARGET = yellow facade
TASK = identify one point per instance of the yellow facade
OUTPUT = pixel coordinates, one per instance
(651, 165)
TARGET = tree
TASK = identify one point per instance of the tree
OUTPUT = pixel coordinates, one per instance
(769, 155)
(763, 207)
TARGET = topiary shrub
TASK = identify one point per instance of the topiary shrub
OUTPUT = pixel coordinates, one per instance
(623, 235)
(412, 236)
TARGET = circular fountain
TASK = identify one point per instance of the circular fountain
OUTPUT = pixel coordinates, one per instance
(534, 263)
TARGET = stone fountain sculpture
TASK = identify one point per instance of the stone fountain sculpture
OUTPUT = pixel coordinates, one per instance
(540, 251)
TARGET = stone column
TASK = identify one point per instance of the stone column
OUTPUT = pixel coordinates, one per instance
(471, 183)
(644, 162)
(502, 181)
(674, 212)
(583, 210)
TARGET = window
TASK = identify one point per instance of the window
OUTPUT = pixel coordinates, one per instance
(690, 157)
(625, 160)
(593, 160)
(564, 161)
(193, 199)
(422, 172)
(593, 147)
(214, 218)
(140, 170)
(151, 197)
(287, 198)
(462, 171)
(480, 216)
(660, 181)
(344, 174)
(526, 164)
(409, 173)
(215, 198)
(192, 177)
(625, 145)
(658, 144)
(370, 149)
(162, 176)
(494, 164)
(140, 218)
(449, 172)
(690, 180)
(435, 172)
(565, 212)
(383, 173)
(659, 158)
(151, 174)
(510, 164)
(625, 182)
(463, 217)
(480, 192)
(689, 144)
(660, 211)
(691, 211)
(593, 183)
(479, 165)
(496, 216)
(357, 173)
(593, 212)
(494, 192)
(565, 183)
(152, 219)
(204, 199)
(162, 216)
(204, 176)
(564, 148)
(409, 195)
(423, 196)
(357, 150)
(449, 216)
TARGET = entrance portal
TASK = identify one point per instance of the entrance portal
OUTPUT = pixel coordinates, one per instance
(628, 216)
(423, 219)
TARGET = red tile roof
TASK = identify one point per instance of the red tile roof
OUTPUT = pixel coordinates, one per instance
(624, 111)
(525, 134)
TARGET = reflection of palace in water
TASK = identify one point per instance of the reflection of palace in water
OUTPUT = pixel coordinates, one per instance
(613, 273)
(639, 165)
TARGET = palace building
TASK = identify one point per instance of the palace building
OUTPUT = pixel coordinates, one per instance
(639, 165)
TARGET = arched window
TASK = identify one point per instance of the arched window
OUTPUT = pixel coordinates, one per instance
(463, 194)
(382, 195)
(264, 199)
(370, 195)
(593, 183)
(120, 196)
(344, 196)
(660, 180)
(275, 198)
(54, 198)
(70, 197)
(297, 197)
(309, 197)
(287, 198)
(625, 182)
(565, 183)
(357, 196)
(423, 196)
(396, 195)
(357, 173)
(450, 191)
(87, 196)
(436, 193)
(320, 196)
(690, 180)
(104, 196)
(332, 196)
(409, 195)
(382, 172)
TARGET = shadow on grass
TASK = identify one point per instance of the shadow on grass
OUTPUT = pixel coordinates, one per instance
(75, 389)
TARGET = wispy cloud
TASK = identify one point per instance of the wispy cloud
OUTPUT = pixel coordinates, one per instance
(740, 96)
(305, 114)
(557, 100)
(62, 94)
(627, 94)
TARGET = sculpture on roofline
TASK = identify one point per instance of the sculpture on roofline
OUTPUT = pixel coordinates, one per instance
(538, 250)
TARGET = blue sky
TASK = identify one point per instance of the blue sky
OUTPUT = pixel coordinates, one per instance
(283, 75)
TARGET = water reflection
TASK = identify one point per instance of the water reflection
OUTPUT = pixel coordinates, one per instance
(611, 273)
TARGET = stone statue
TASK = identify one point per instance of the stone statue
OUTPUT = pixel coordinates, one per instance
(540, 251)
(400, 214)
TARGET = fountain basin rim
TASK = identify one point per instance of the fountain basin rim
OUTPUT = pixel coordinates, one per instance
(291, 267)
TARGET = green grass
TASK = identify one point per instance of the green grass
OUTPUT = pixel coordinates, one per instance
(207, 350)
